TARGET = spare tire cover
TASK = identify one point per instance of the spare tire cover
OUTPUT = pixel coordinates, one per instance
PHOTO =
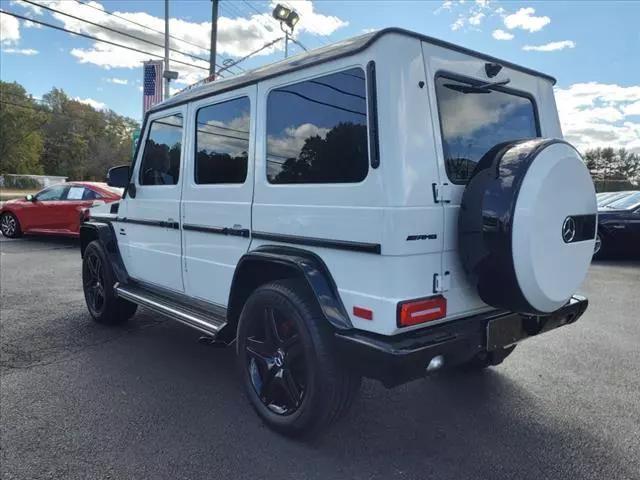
(527, 225)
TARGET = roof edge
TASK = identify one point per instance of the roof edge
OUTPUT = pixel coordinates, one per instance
(299, 64)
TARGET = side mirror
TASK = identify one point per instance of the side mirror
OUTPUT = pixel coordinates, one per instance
(118, 176)
(30, 198)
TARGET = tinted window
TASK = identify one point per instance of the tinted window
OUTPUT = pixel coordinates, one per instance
(472, 122)
(317, 130)
(161, 159)
(57, 192)
(90, 194)
(222, 142)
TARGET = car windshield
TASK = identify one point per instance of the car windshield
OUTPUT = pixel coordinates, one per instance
(116, 190)
(626, 203)
(611, 197)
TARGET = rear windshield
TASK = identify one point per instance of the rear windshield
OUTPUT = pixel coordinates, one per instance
(474, 121)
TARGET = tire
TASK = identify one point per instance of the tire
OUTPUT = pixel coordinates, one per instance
(298, 348)
(525, 241)
(97, 282)
(486, 360)
(10, 225)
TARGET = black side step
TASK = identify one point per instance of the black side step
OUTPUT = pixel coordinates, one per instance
(209, 321)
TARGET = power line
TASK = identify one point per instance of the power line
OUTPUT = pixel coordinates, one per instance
(96, 39)
(140, 39)
(141, 25)
(266, 45)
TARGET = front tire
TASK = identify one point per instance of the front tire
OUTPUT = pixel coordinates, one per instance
(287, 362)
(10, 225)
(98, 280)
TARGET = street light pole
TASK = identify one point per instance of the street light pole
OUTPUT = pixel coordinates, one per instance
(166, 49)
(214, 35)
(286, 44)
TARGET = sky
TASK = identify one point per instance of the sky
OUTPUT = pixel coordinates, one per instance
(591, 47)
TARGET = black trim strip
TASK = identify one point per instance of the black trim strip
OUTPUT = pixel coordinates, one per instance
(237, 232)
(319, 242)
(150, 223)
(372, 102)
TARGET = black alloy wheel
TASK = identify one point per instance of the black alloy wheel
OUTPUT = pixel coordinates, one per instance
(275, 362)
(292, 374)
(98, 280)
(93, 282)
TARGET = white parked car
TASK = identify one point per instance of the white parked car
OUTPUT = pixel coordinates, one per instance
(389, 206)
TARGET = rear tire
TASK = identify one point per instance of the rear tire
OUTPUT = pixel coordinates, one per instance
(287, 362)
(10, 225)
(98, 280)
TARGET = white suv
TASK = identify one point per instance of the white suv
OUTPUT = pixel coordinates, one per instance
(389, 206)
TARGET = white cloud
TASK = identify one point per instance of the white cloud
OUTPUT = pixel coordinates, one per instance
(598, 115)
(30, 24)
(550, 47)
(21, 51)
(236, 36)
(118, 81)
(526, 20)
(476, 19)
(9, 29)
(502, 35)
(29, 6)
(632, 109)
(458, 24)
(91, 102)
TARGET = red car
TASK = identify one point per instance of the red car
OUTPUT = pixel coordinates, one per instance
(55, 210)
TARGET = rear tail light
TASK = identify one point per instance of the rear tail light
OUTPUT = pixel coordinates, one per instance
(423, 310)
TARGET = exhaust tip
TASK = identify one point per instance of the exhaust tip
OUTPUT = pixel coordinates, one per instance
(436, 363)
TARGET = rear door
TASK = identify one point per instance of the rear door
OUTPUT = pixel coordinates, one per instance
(218, 191)
(72, 207)
(148, 223)
(467, 125)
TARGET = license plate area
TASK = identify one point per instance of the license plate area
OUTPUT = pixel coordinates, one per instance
(504, 331)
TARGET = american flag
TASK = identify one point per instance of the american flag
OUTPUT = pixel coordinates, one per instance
(152, 84)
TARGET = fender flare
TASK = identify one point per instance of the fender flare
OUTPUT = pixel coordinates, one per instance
(253, 270)
(105, 234)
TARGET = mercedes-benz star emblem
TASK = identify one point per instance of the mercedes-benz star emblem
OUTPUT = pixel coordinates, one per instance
(568, 229)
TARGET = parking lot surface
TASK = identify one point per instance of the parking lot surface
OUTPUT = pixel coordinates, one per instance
(146, 401)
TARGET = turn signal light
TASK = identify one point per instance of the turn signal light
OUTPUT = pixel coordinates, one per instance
(421, 311)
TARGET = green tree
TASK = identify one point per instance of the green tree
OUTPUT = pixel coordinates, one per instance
(21, 120)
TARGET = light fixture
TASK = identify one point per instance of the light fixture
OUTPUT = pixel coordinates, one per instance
(286, 15)
(281, 13)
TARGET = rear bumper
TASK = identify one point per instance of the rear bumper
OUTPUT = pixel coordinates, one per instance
(400, 358)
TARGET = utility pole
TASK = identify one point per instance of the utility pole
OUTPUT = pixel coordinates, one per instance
(214, 39)
(166, 49)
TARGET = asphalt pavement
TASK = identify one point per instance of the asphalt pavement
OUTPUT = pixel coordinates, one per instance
(146, 401)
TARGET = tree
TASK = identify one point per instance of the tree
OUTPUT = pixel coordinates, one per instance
(20, 130)
(613, 169)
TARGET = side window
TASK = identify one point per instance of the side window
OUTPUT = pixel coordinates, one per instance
(57, 192)
(90, 194)
(161, 158)
(317, 130)
(222, 142)
(75, 193)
